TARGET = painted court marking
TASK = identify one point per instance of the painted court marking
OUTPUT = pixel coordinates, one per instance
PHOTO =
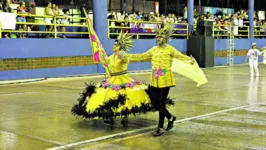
(17, 93)
(34, 137)
(146, 129)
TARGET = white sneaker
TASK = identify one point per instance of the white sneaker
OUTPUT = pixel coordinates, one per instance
(252, 75)
(257, 75)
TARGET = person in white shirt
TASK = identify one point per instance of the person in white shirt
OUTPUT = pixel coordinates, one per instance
(253, 55)
(235, 24)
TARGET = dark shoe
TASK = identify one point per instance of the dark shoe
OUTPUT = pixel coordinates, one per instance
(109, 121)
(158, 132)
(171, 124)
(124, 122)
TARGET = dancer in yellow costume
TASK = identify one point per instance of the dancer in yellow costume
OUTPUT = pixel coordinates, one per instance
(119, 95)
(162, 77)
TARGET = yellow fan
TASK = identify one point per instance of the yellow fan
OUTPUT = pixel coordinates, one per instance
(190, 71)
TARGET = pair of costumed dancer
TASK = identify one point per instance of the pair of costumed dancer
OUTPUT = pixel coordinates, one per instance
(121, 95)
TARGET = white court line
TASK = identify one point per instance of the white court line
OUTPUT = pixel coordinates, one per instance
(146, 128)
(18, 93)
(80, 77)
(35, 137)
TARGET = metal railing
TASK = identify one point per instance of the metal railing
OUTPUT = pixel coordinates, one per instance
(260, 32)
(138, 28)
(222, 31)
(55, 25)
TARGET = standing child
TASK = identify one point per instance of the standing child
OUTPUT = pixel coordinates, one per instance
(253, 55)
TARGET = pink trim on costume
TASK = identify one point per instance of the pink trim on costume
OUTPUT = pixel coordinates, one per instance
(117, 87)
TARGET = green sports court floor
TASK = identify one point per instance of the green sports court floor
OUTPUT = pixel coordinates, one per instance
(229, 112)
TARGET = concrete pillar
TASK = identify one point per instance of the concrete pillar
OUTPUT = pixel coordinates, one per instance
(250, 17)
(190, 15)
(100, 19)
(100, 24)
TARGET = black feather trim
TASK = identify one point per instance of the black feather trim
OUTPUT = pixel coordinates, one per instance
(80, 108)
(108, 108)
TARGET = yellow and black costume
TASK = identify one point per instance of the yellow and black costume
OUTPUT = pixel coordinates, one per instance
(119, 95)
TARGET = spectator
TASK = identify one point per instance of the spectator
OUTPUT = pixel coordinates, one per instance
(220, 13)
(21, 9)
(235, 24)
(241, 24)
(56, 10)
(157, 17)
(163, 19)
(195, 12)
(138, 17)
(112, 24)
(218, 19)
(185, 12)
(64, 21)
(152, 17)
(121, 16)
(49, 12)
(6, 6)
(174, 17)
(208, 15)
(126, 24)
(169, 19)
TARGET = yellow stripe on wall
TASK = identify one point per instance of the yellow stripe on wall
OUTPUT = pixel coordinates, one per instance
(57, 62)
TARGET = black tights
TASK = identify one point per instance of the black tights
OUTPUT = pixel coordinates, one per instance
(159, 96)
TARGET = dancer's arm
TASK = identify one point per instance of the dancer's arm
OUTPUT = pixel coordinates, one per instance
(178, 55)
(141, 57)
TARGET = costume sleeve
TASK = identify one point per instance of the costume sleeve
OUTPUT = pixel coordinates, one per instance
(178, 55)
(140, 57)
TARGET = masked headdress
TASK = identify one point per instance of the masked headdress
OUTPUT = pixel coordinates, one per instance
(164, 30)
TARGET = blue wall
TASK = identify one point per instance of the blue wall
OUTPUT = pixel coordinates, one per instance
(37, 48)
(51, 72)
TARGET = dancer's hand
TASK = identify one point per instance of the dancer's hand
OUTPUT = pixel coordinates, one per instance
(121, 54)
(192, 60)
